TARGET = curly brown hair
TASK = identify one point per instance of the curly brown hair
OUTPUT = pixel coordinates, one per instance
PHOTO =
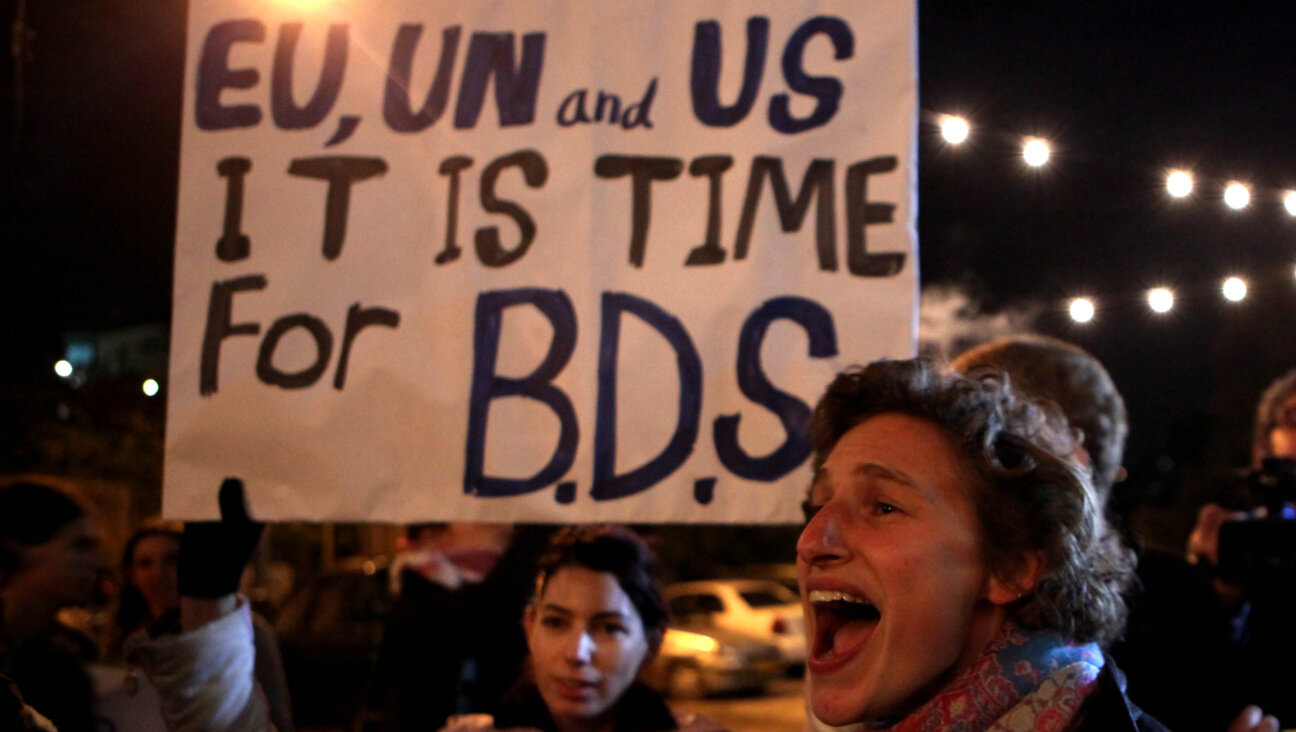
(1048, 368)
(1030, 494)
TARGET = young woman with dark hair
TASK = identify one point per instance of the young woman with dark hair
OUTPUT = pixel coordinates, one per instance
(597, 617)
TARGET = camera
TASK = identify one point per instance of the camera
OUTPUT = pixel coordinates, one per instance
(1262, 552)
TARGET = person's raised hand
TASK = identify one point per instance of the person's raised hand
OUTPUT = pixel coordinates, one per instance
(1203, 543)
(214, 553)
(1252, 719)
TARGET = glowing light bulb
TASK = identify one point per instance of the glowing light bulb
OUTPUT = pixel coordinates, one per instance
(1234, 289)
(1289, 202)
(1081, 310)
(954, 129)
(150, 387)
(1179, 183)
(1160, 299)
(62, 368)
(1036, 152)
(1237, 196)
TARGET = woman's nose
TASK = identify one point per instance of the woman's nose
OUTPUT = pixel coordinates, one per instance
(580, 648)
(821, 539)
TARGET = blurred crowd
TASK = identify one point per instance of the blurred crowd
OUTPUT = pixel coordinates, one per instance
(968, 561)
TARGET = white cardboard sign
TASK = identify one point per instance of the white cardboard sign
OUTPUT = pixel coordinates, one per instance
(532, 260)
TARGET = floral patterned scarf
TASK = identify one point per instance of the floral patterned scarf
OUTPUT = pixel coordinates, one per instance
(1026, 681)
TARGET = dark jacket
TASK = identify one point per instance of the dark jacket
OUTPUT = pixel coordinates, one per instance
(1110, 708)
(640, 710)
(1178, 652)
(421, 657)
(49, 672)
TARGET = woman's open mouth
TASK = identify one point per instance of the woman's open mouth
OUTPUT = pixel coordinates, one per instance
(843, 623)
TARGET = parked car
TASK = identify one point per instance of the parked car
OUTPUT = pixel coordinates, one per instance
(783, 573)
(702, 662)
(761, 608)
(329, 632)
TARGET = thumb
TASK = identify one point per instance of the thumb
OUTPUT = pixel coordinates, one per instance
(233, 504)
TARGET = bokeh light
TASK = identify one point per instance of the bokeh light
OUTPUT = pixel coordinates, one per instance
(1237, 196)
(1036, 152)
(150, 387)
(1081, 310)
(1160, 299)
(1289, 202)
(1179, 183)
(954, 129)
(1234, 289)
(63, 368)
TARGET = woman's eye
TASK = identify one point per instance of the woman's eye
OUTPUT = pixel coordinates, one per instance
(883, 508)
(554, 622)
(614, 629)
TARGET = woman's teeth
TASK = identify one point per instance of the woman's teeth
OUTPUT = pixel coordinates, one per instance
(835, 611)
(817, 596)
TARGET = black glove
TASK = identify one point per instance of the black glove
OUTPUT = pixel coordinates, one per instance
(214, 553)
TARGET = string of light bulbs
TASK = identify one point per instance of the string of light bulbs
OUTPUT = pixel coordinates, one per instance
(1180, 184)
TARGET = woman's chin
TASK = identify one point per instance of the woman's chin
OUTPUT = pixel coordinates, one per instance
(838, 712)
(565, 706)
(841, 707)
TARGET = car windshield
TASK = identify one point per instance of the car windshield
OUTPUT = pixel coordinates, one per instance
(767, 596)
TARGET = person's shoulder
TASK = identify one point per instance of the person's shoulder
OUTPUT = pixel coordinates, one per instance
(646, 711)
(1110, 709)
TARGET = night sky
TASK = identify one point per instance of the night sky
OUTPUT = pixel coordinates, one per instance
(1123, 92)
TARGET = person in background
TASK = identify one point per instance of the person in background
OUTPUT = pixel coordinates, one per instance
(1071, 378)
(49, 559)
(1185, 683)
(1264, 635)
(1273, 436)
(448, 555)
(428, 659)
(203, 668)
(148, 586)
(150, 595)
(596, 618)
(956, 567)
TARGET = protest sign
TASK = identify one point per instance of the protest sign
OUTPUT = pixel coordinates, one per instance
(532, 261)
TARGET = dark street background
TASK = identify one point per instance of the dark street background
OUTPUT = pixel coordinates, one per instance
(91, 115)
(90, 111)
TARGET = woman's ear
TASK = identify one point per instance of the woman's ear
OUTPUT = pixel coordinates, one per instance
(1017, 582)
